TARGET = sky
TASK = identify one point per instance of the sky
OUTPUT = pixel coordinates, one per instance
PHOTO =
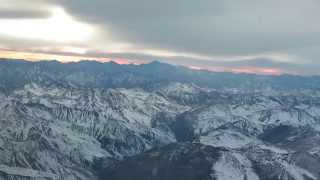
(250, 36)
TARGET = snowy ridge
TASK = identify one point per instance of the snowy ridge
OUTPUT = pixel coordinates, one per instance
(233, 167)
(63, 130)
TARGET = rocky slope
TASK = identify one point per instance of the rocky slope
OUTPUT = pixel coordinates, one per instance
(72, 127)
(196, 161)
(63, 130)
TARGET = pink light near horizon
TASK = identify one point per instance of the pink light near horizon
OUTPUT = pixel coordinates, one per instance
(74, 58)
(248, 70)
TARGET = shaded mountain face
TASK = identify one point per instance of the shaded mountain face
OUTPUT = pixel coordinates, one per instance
(174, 161)
(196, 161)
(86, 121)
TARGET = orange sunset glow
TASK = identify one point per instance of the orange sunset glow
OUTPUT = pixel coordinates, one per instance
(247, 70)
(74, 58)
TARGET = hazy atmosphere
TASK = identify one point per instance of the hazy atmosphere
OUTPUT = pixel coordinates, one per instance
(159, 90)
(267, 36)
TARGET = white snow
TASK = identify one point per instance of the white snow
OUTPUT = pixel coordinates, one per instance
(24, 172)
(233, 167)
(296, 172)
(227, 138)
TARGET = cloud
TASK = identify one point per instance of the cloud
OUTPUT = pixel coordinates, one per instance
(276, 34)
(22, 13)
(15, 9)
(255, 65)
(59, 27)
(209, 26)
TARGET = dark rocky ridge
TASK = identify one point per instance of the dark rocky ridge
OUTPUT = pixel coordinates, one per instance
(175, 161)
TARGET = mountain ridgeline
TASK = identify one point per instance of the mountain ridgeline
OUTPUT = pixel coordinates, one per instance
(16, 73)
(106, 121)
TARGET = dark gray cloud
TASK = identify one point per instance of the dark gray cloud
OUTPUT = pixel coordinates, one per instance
(207, 26)
(22, 13)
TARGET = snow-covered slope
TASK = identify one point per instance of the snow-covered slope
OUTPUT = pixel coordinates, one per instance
(63, 128)
(61, 131)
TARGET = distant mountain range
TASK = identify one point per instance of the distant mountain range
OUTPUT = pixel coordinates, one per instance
(147, 76)
(91, 120)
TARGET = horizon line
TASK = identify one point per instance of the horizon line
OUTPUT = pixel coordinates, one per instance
(193, 68)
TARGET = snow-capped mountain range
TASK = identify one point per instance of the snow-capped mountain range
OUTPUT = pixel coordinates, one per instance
(91, 120)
